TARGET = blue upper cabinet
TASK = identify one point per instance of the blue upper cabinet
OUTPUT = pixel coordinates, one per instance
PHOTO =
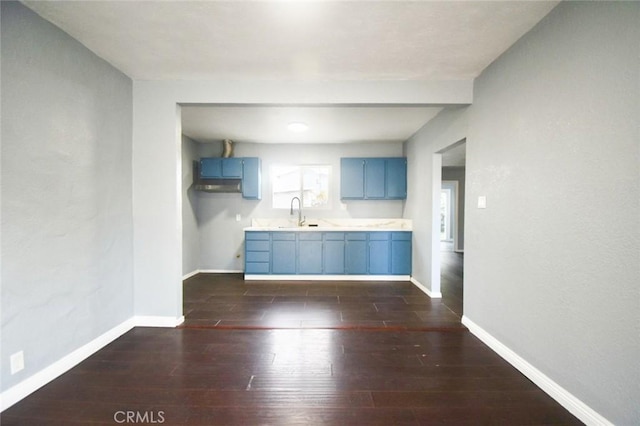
(352, 178)
(245, 168)
(251, 178)
(232, 168)
(373, 178)
(396, 178)
(211, 168)
(221, 168)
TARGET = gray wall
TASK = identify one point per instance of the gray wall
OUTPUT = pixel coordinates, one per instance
(190, 201)
(447, 128)
(552, 265)
(457, 174)
(221, 237)
(66, 194)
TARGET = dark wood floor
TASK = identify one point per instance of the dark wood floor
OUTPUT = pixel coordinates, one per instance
(371, 367)
(227, 301)
(451, 278)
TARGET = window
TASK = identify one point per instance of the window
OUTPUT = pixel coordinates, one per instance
(309, 183)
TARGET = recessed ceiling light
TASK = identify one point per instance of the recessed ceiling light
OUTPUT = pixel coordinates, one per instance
(297, 127)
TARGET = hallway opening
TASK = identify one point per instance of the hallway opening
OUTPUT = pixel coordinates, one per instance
(452, 226)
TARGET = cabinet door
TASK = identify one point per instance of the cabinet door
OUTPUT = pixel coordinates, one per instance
(379, 253)
(374, 178)
(232, 168)
(396, 178)
(401, 253)
(352, 178)
(283, 253)
(211, 168)
(334, 256)
(356, 253)
(251, 182)
(310, 253)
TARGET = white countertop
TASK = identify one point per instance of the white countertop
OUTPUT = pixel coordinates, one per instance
(351, 225)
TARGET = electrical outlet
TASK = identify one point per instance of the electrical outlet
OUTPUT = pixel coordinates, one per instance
(17, 362)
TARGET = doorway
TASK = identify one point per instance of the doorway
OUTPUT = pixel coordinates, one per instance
(452, 226)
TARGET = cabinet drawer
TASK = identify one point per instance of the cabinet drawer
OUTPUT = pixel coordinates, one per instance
(379, 236)
(258, 256)
(356, 236)
(257, 245)
(334, 236)
(257, 268)
(401, 236)
(310, 236)
(283, 236)
(256, 236)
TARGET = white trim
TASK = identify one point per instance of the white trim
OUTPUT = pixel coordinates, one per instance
(459, 251)
(211, 271)
(31, 384)
(425, 290)
(267, 277)
(569, 401)
(436, 187)
(220, 271)
(149, 321)
(190, 274)
(44, 376)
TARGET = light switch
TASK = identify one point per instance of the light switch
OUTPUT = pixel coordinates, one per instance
(482, 202)
(238, 217)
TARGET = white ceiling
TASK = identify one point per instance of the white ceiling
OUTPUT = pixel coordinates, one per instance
(327, 124)
(296, 40)
(302, 41)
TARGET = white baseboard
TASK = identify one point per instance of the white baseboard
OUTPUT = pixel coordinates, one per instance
(220, 271)
(148, 321)
(31, 384)
(425, 290)
(190, 274)
(574, 405)
(211, 271)
(249, 277)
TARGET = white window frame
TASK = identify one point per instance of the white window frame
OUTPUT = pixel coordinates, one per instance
(300, 192)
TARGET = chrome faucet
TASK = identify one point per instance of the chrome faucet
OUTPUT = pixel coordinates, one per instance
(300, 219)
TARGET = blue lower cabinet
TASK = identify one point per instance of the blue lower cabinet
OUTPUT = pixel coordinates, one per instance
(283, 253)
(257, 252)
(401, 253)
(333, 253)
(310, 253)
(256, 268)
(379, 253)
(329, 253)
(355, 253)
